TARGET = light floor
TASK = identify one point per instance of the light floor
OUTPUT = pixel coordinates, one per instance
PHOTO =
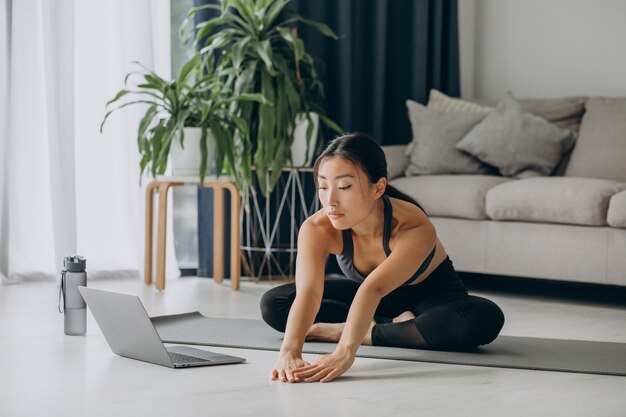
(45, 373)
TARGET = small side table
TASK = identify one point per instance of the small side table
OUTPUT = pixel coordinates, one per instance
(162, 184)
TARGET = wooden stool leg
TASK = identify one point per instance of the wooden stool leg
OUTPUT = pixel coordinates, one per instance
(149, 224)
(218, 234)
(235, 238)
(162, 227)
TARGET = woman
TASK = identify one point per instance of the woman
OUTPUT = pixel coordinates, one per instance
(402, 289)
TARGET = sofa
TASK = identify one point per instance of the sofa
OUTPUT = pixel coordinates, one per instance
(568, 225)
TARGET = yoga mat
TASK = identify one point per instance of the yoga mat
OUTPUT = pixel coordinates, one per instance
(605, 358)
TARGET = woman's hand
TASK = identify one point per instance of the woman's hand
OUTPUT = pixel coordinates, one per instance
(284, 366)
(326, 367)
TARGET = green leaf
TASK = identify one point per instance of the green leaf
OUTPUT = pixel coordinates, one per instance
(286, 34)
(188, 67)
(206, 28)
(237, 51)
(155, 81)
(309, 134)
(217, 41)
(274, 11)
(245, 9)
(324, 29)
(259, 98)
(118, 96)
(263, 50)
(120, 107)
(328, 122)
(190, 16)
(146, 120)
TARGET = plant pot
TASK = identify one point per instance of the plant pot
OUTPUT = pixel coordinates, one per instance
(299, 156)
(186, 162)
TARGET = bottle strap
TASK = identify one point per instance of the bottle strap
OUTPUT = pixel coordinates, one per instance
(62, 292)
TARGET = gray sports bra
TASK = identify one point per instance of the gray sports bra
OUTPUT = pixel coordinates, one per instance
(345, 259)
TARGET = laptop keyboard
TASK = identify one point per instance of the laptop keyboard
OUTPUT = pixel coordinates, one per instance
(178, 358)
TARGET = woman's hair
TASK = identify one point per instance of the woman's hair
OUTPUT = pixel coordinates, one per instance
(362, 151)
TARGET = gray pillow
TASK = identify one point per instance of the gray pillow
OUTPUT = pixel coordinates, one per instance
(397, 161)
(600, 150)
(519, 144)
(434, 136)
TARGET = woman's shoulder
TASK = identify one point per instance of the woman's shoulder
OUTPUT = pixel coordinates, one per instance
(406, 215)
(319, 228)
(412, 222)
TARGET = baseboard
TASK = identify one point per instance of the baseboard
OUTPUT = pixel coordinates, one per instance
(547, 288)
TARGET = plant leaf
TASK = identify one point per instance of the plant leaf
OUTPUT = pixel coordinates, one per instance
(263, 49)
(274, 11)
(188, 67)
(323, 28)
(328, 122)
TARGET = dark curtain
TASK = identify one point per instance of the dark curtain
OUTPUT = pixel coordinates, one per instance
(389, 51)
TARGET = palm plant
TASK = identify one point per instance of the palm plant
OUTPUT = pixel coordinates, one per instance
(252, 45)
(193, 99)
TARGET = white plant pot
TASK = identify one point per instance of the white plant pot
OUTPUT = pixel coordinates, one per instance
(186, 162)
(299, 155)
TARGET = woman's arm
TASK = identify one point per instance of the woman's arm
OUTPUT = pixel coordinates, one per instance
(310, 264)
(410, 250)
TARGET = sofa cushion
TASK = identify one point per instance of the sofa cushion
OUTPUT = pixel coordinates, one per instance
(564, 112)
(600, 150)
(450, 195)
(569, 200)
(519, 144)
(434, 136)
(441, 102)
(616, 215)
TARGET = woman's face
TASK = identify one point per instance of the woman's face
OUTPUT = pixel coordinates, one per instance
(345, 192)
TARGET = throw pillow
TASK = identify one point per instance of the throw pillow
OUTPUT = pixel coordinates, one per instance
(434, 136)
(600, 150)
(519, 144)
(396, 160)
(441, 102)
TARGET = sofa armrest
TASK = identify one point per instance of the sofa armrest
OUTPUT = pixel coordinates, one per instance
(397, 161)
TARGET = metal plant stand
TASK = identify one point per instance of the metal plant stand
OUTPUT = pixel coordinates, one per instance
(270, 225)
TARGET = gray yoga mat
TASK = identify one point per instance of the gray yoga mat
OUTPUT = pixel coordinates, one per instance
(605, 358)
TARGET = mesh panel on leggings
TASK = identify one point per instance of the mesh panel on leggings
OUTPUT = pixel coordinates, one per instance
(403, 334)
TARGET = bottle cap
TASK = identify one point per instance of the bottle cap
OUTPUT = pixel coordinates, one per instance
(75, 263)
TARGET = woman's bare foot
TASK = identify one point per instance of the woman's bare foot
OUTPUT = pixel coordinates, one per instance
(407, 315)
(331, 332)
(325, 332)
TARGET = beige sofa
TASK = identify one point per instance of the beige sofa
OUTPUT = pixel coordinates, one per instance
(569, 226)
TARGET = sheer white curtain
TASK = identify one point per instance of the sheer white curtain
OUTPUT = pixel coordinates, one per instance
(64, 187)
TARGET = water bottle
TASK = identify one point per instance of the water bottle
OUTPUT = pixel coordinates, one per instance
(71, 303)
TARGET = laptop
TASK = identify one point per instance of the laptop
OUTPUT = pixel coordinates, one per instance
(130, 333)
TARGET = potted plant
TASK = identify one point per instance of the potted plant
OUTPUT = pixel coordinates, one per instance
(253, 46)
(193, 100)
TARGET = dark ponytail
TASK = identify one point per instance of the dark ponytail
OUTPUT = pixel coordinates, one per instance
(364, 152)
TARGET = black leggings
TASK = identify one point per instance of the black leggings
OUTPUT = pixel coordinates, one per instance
(445, 321)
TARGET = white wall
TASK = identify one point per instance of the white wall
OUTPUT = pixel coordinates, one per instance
(542, 48)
